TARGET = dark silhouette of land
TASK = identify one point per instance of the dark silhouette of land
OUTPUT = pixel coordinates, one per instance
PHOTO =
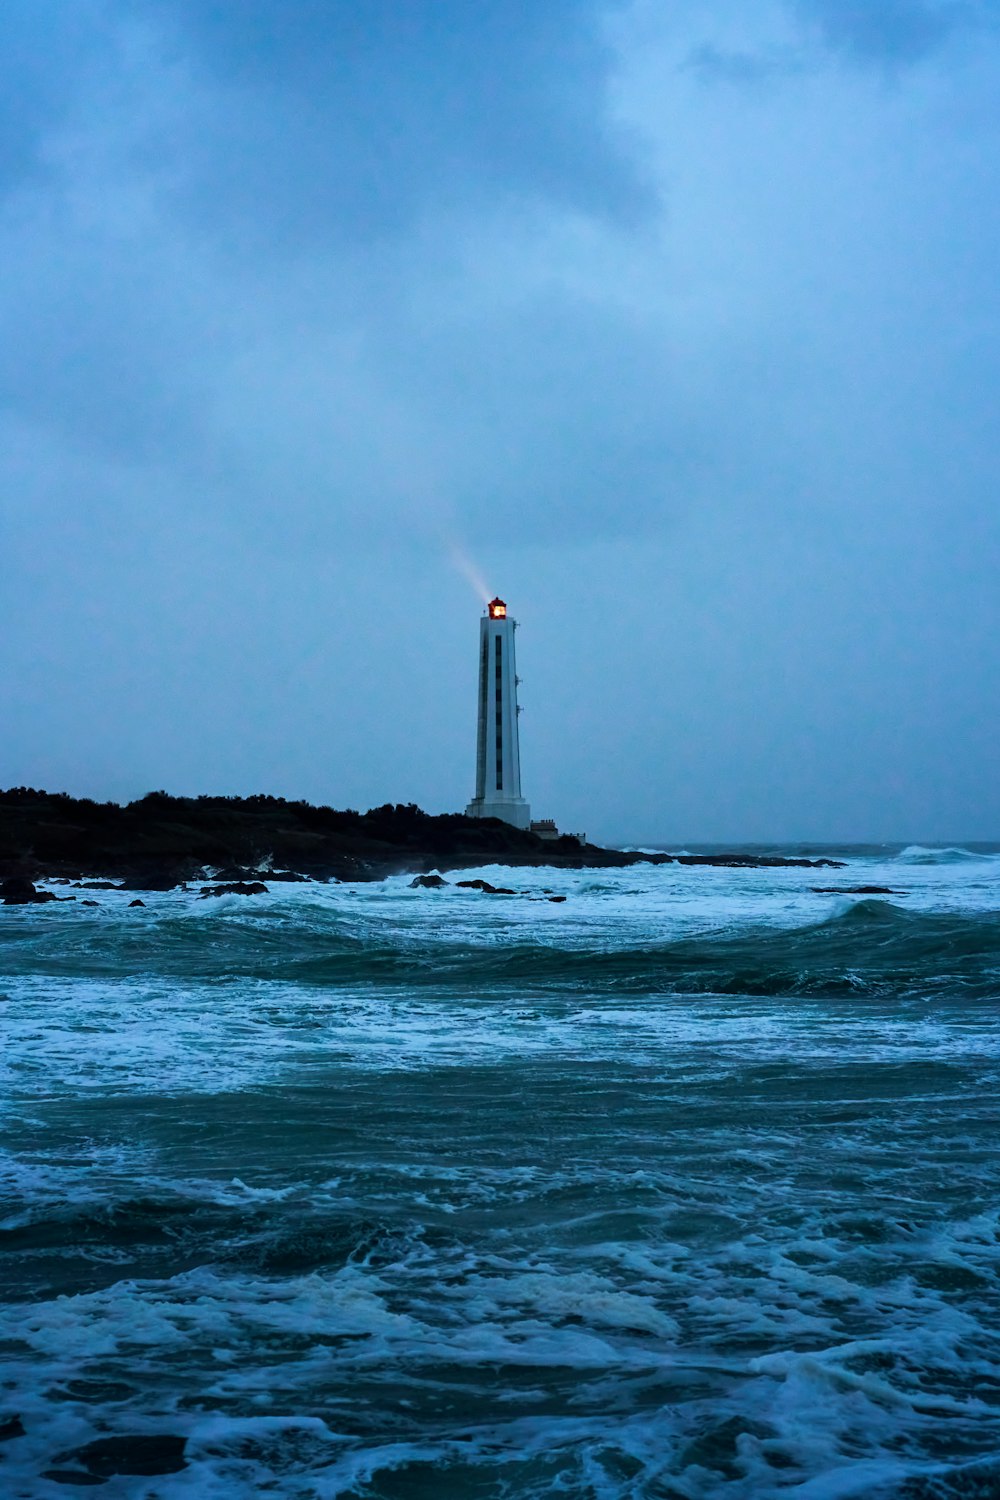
(161, 841)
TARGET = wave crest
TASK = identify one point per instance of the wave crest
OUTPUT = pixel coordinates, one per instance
(951, 854)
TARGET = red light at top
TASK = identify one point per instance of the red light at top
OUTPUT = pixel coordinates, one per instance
(498, 609)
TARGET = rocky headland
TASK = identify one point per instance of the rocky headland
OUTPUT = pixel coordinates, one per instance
(159, 842)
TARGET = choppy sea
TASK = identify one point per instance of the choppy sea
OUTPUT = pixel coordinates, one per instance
(686, 1186)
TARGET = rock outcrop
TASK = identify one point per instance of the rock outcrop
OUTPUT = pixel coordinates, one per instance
(137, 1454)
(161, 842)
(19, 891)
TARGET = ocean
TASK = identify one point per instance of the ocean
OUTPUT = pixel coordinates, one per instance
(685, 1186)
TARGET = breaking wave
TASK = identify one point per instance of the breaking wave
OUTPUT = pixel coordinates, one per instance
(920, 854)
(863, 946)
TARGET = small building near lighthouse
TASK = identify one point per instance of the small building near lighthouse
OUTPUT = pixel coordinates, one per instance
(498, 755)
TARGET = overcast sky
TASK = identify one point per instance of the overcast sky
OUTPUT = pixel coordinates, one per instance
(678, 319)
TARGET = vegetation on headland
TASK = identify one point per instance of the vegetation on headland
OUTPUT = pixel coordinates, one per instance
(159, 840)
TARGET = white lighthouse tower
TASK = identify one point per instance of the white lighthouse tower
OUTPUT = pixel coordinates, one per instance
(498, 758)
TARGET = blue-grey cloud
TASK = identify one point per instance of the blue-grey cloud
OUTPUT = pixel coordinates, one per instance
(44, 51)
(194, 144)
(347, 119)
(890, 36)
(894, 32)
(714, 64)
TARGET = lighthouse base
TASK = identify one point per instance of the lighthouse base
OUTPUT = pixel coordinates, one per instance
(514, 810)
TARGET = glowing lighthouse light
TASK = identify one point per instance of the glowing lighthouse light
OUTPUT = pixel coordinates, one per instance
(498, 756)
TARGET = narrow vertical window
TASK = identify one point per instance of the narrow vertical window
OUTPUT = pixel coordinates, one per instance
(498, 669)
(483, 727)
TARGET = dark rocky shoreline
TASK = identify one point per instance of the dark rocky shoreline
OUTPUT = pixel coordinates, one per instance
(160, 842)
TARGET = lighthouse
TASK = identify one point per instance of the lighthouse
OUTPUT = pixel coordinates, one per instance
(498, 758)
